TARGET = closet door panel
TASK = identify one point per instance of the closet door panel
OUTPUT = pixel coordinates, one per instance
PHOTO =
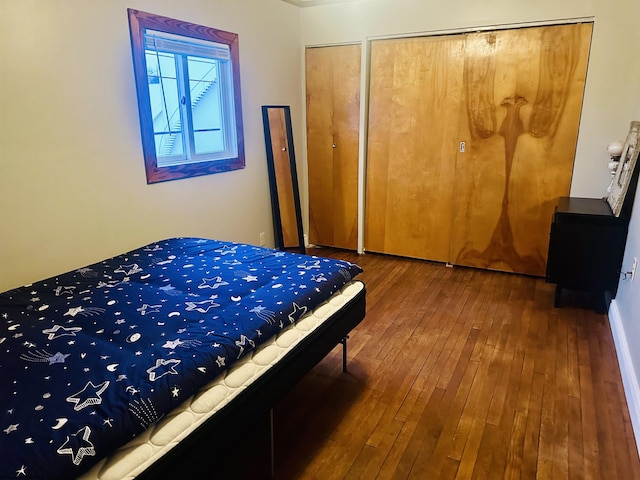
(523, 96)
(415, 95)
(333, 112)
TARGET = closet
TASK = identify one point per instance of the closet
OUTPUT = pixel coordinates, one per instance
(333, 119)
(471, 141)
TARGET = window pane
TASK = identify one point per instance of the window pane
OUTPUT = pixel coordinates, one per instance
(206, 140)
(206, 104)
(165, 103)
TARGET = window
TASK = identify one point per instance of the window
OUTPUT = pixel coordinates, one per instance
(188, 85)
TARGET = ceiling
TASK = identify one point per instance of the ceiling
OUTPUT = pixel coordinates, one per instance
(313, 3)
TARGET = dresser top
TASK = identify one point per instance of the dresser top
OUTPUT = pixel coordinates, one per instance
(584, 206)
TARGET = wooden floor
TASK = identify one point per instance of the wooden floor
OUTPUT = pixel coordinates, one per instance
(456, 373)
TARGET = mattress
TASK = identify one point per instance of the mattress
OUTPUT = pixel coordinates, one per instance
(93, 358)
(133, 458)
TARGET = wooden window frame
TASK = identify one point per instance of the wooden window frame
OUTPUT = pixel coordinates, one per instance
(140, 21)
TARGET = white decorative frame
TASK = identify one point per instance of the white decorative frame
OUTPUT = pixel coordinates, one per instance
(624, 172)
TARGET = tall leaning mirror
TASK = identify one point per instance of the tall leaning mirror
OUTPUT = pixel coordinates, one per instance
(283, 178)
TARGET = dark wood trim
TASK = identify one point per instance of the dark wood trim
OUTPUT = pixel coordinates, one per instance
(138, 22)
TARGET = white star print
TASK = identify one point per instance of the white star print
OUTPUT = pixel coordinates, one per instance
(214, 282)
(91, 394)
(227, 250)
(146, 308)
(202, 307)
(11, 428)
(172, 343)
(86, 449)
(297, 312)
(52, 332)
(132, 390)
(244, 340)
(161, 368)
(308, 265)
(128, 269)
(59, 291)
(58, 358)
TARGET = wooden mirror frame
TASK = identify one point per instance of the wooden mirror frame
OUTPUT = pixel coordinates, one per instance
(283, 178)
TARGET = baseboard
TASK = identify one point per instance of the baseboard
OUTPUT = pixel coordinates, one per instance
(629, 378)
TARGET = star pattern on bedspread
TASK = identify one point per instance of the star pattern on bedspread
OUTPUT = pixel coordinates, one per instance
(213, 283)
(146, 309)
(202, 307)
(128, 269)
(308, 265)
(137, 333)
(11, 428)
(59, 331)
(244, 342)
(78, 445)
(89, 395)
(163, 367)
(297, 312)
(60, 290)
(172, 343)
(44, 356)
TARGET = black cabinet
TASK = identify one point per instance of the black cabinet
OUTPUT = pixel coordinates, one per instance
(586, 247)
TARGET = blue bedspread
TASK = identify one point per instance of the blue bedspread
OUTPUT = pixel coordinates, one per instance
(92, 357)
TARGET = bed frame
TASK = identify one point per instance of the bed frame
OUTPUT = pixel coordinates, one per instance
(255, 403)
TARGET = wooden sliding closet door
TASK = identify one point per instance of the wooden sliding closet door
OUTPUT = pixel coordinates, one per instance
(416, 92)
(523, 94)
(471, 141)
(333, 120)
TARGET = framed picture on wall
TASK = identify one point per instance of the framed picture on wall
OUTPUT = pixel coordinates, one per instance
(624, 172)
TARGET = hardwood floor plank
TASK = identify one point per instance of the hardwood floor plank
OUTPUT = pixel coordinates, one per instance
(532, 429)
(576, 443)
(547, 419)
(458, 373)
(561, 406)
(588, 406)
(389, 468)
(425, 434)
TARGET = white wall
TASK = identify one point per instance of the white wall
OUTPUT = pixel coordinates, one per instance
(625, 310)
(72, 183)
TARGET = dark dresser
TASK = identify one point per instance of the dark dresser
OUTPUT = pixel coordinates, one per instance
(586, 246)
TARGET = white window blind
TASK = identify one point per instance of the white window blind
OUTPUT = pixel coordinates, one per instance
(166, 42)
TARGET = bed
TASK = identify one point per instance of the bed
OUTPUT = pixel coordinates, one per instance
(136, 365)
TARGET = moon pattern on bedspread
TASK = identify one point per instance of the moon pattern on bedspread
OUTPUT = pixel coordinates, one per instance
(91, 358)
